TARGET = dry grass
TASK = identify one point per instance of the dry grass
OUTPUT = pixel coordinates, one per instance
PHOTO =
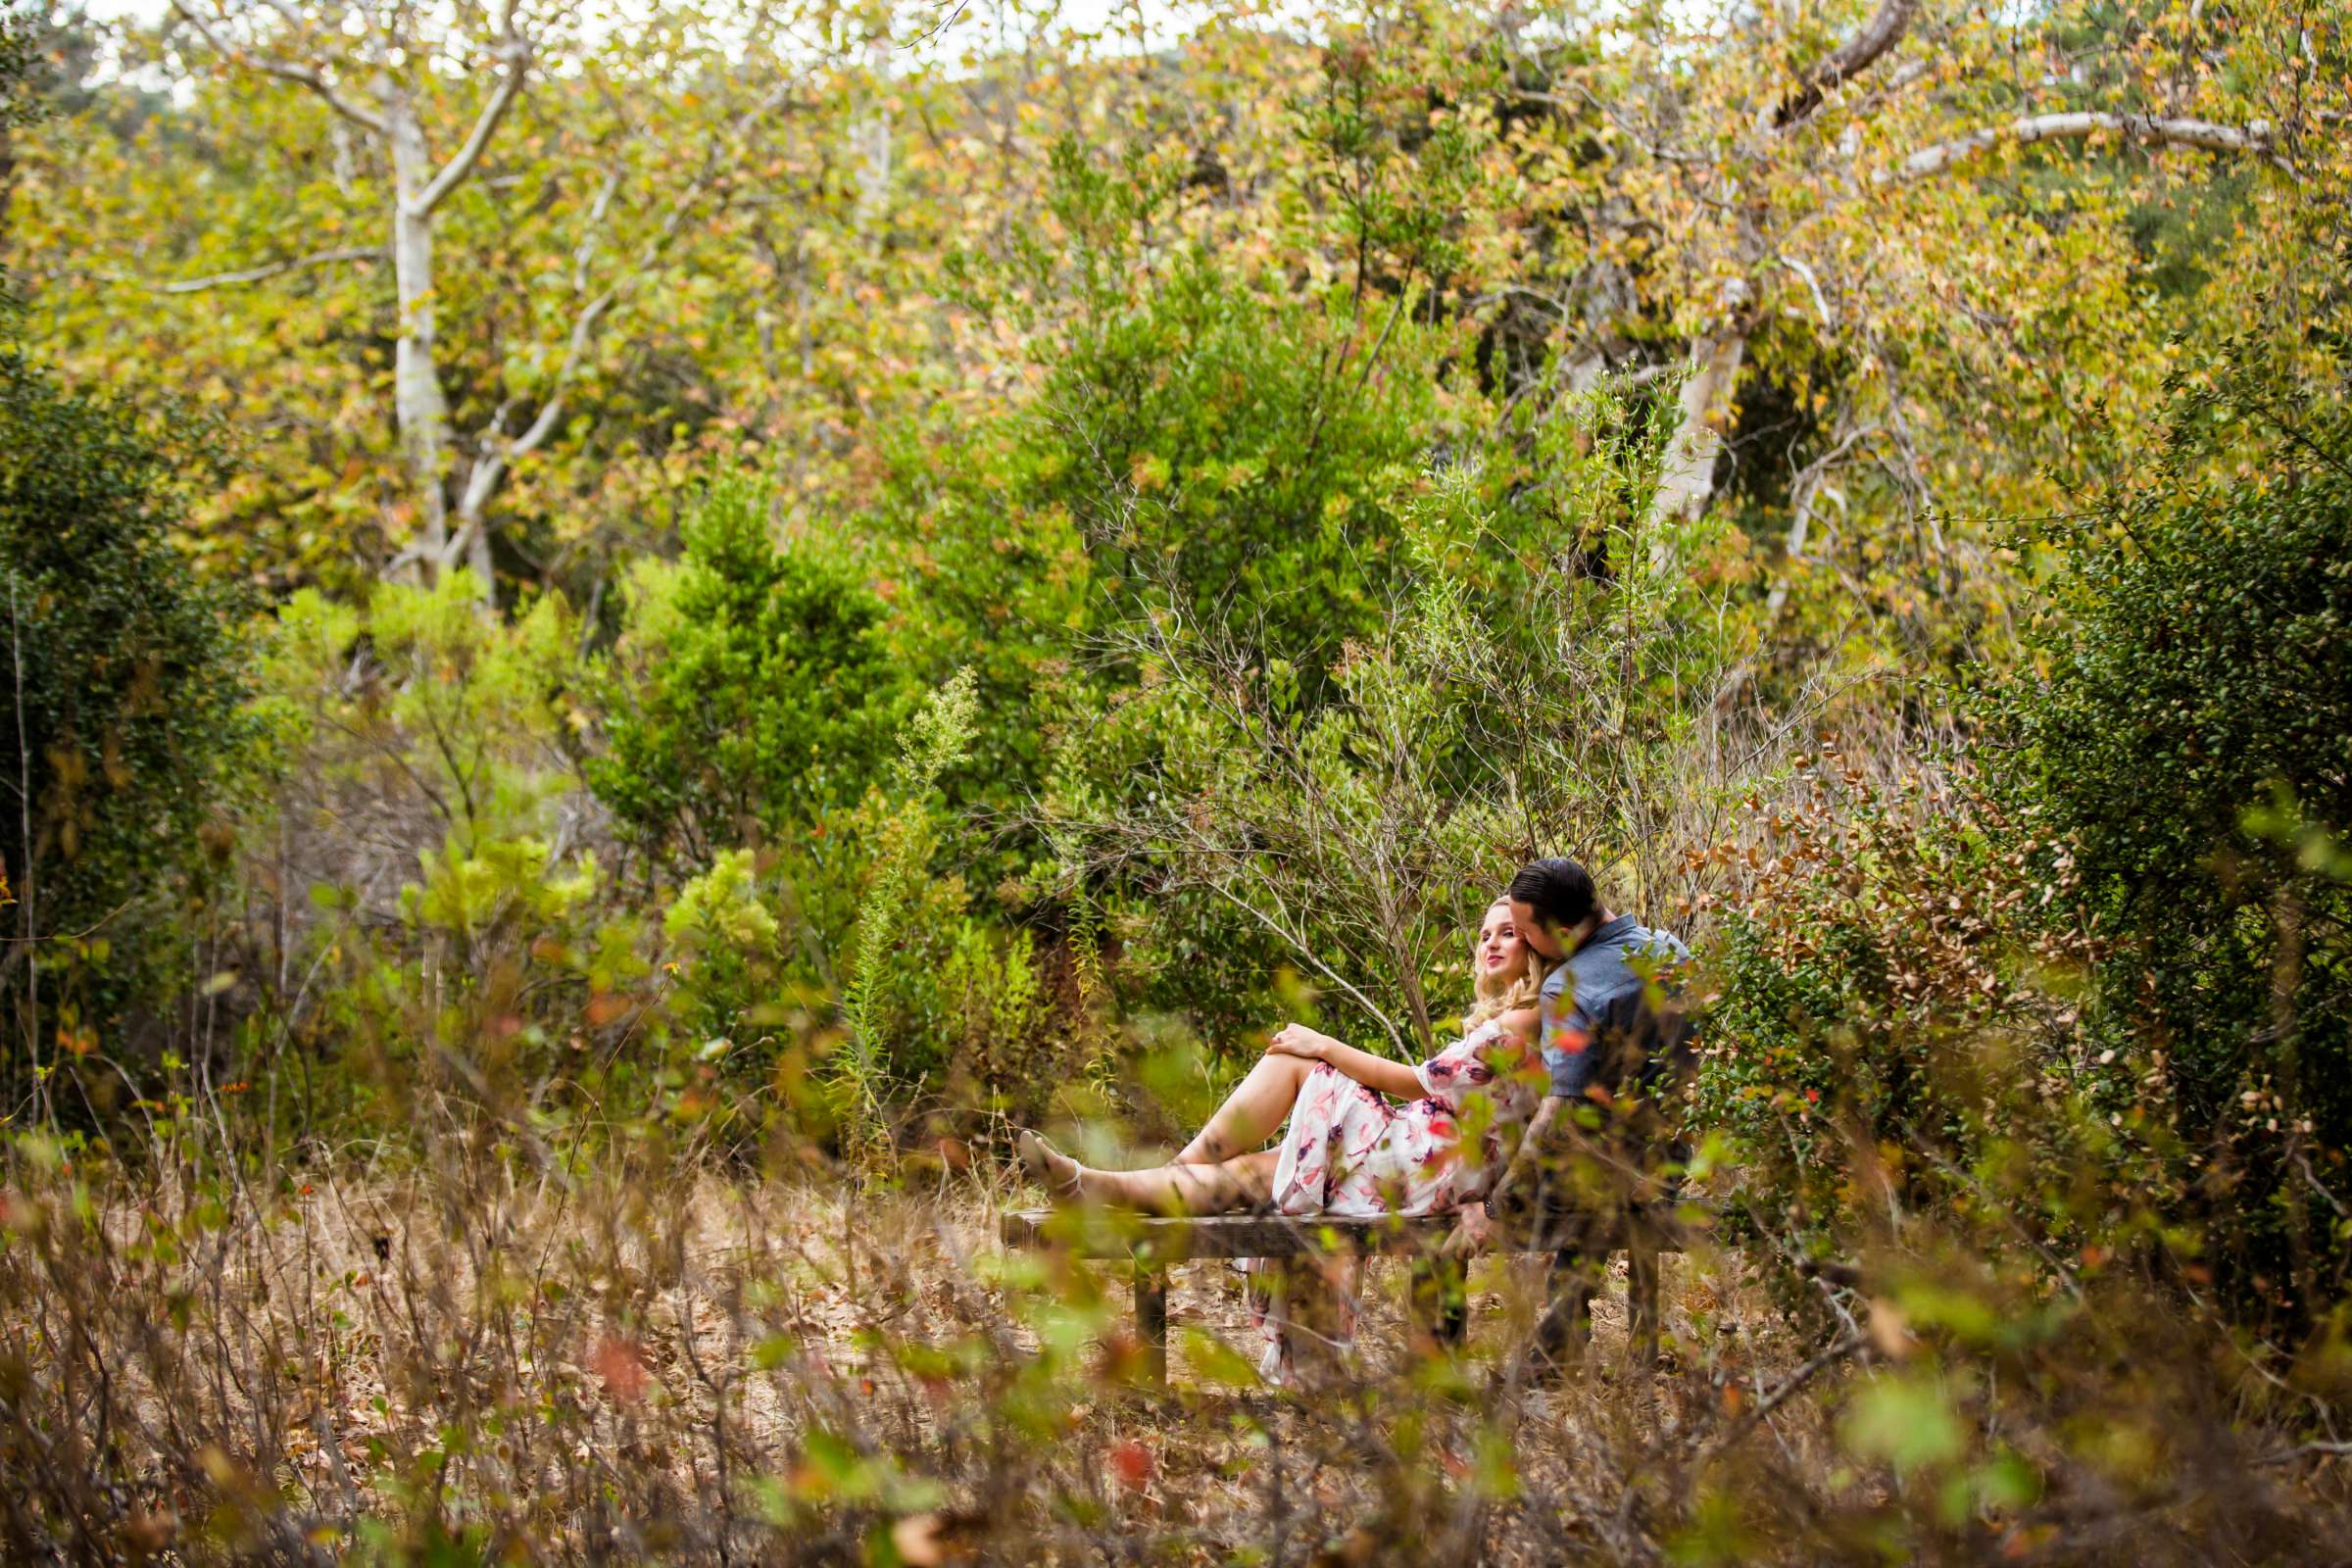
(458, 1365)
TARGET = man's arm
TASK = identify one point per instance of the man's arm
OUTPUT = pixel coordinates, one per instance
(1470, 1231)
(1567, 1040)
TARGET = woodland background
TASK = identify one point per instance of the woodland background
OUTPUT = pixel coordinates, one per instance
(633, 630)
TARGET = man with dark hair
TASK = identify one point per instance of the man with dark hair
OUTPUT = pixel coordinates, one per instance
(1608, 966)
(1610, 1032)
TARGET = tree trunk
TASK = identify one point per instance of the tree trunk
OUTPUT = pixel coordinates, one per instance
(871, 142)
(8, 183)
(419, 407)
(1688, 482)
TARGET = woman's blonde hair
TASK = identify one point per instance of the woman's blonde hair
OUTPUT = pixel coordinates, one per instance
(1499, 993)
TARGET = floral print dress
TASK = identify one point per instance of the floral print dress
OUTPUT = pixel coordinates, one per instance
(1352, 1154)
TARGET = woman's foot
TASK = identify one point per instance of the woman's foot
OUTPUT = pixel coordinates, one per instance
(1047, 1166)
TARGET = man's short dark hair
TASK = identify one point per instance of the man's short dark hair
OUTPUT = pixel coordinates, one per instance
(1560, 892)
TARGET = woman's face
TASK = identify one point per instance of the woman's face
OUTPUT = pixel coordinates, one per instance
(1500, 949)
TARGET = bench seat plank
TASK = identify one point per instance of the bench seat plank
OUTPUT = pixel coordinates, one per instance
(1119, 1235)
(1107, 1234)
(1153, 1243)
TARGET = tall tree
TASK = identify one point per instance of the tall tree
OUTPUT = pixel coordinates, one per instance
(391, 73)
(1908, 260)
(1912, 93)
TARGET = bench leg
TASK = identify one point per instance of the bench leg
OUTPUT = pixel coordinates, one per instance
(1641, 1301)
(1151, 1322)
(1438, 1300)
(1565, 1330)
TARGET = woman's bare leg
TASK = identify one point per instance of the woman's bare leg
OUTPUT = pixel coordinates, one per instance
(1252, 1114)
(1241, 1183)
(1244, 1182)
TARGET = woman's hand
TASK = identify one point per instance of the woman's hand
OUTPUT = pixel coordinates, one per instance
(1471, 1228)
(1297, 1040)
(1376, 1073)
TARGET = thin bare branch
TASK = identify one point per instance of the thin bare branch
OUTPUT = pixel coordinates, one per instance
(1864, 49)
(2305, 1451)
(498, 455)
(518, 55)
(298, 72)
(1789, 1388)
(585, 252)
(270, 270)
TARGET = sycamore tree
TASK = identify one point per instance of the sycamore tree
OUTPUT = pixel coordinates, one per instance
(1848, 141)
(1948, 251)
(423, 240)
(1901, 267)
(694, 236)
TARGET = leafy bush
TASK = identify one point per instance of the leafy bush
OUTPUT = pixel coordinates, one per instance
(2092, 993)
(1494, 714)
(123, 677)
(718, 924)
(1230, 459)
(1891, 992)
(1205, 442)
(2188, 753)
(441, 917)
(752, 687)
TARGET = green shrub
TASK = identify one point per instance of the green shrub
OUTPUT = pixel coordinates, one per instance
(898, 910)
(1205, 447)
(1897, 1026)
(122, 678)
(2091, 996)
(454, 927)
(1247, 823)
(752, 687)
(2188, 749)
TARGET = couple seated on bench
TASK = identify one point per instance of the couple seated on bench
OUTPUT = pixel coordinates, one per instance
(1558, 977)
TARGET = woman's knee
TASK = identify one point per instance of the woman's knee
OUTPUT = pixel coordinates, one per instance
(1283, 1072)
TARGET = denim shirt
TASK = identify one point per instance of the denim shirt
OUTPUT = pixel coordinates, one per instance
(1614, 960)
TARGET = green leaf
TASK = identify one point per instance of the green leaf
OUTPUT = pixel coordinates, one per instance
(1904, 1420)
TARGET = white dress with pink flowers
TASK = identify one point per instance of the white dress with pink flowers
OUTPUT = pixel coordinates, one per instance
(1351, 1153)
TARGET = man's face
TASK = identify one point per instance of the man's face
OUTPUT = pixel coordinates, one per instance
(1534, 932)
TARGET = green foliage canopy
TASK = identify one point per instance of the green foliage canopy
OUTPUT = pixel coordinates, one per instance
(124, 671)
(753, 686)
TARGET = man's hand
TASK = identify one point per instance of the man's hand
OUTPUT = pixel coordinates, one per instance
(1533, 1143)
(1297, 1040)
(1471, 1228)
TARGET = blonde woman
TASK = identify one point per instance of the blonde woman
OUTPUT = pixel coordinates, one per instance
(1366, 1136)
(1349, 1150)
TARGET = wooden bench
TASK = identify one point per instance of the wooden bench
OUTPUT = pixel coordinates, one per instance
(1439, 1307)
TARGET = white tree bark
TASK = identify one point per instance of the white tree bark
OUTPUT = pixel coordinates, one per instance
(871, 140)
(454, 480)
(1688, 483)
(420, 409)
(2252, 137)
(1688, 480)
(388, 112)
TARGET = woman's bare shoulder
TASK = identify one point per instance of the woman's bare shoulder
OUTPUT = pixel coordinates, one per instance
(1521, 1022)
